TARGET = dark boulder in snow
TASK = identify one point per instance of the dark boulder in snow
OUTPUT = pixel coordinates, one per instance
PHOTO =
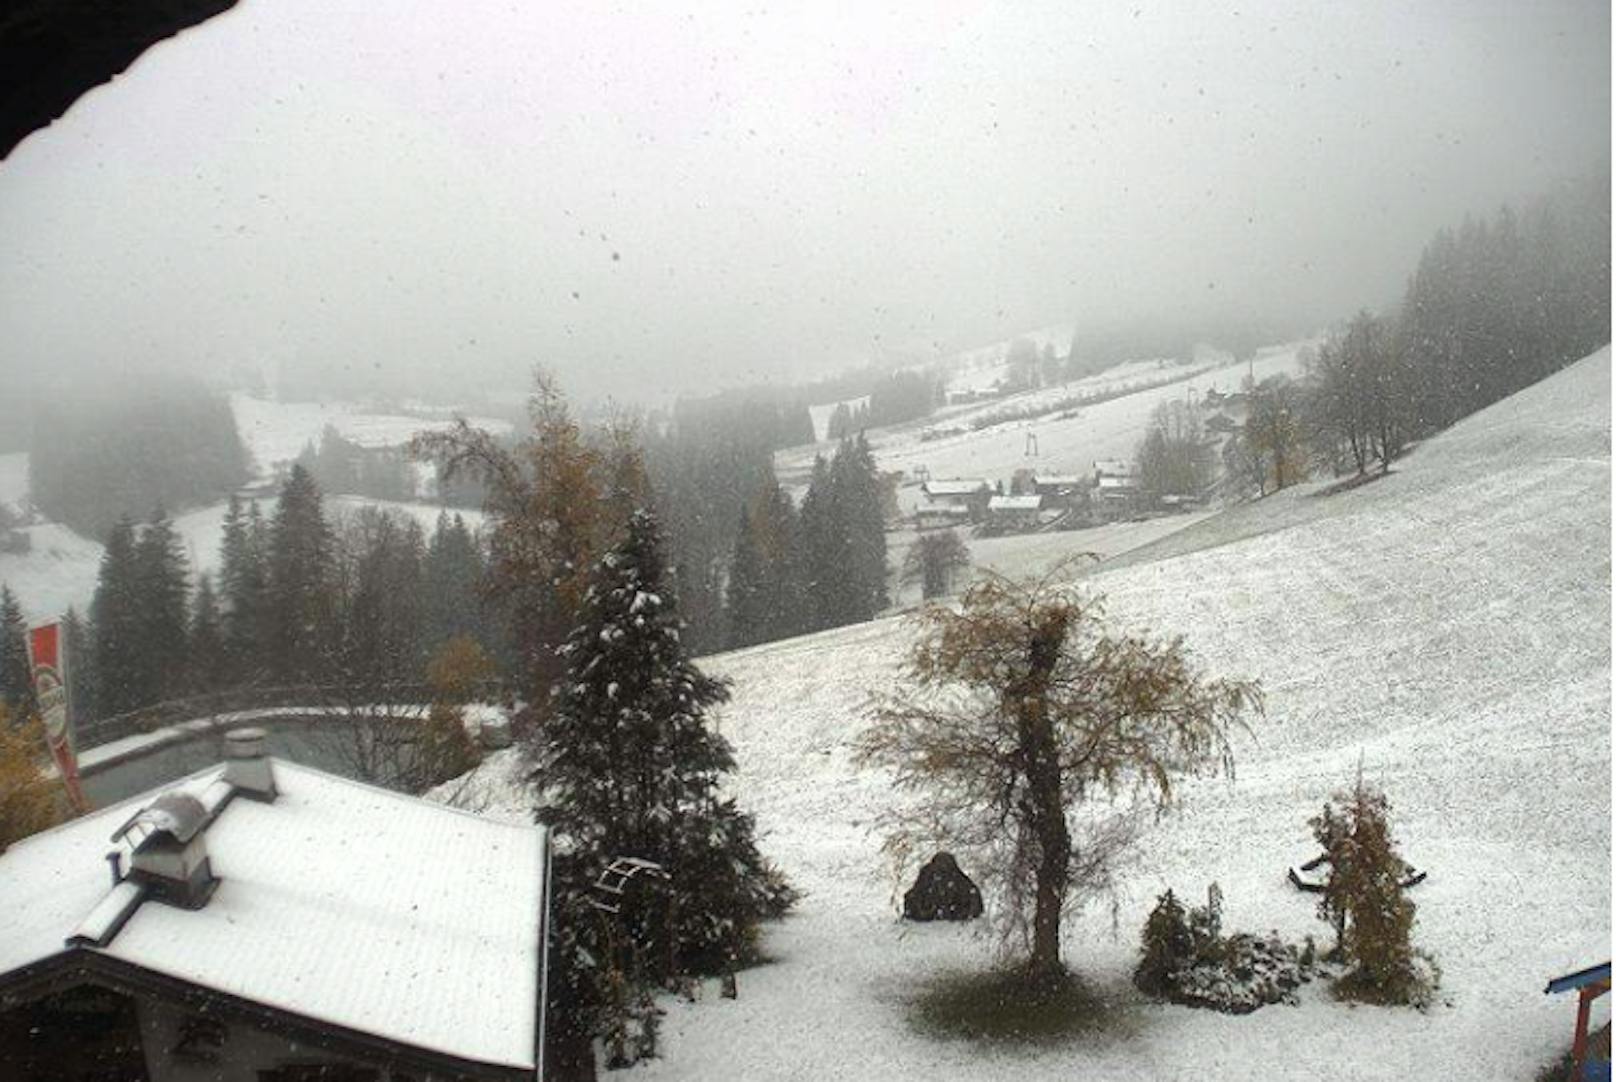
(942, 891)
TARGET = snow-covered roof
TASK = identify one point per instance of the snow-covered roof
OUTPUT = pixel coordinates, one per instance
(952, 510)
(1015, 503)
(338, 903)
(1117, 483)
(1058, 480)
(954, 488)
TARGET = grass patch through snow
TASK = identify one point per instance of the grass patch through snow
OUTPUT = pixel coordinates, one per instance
(1001, 1007)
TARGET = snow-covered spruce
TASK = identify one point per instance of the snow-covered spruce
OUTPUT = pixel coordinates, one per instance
(631, 769)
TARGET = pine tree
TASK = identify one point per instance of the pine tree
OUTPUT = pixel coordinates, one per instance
(16, 682)
(631, 769)
(79, 641)
(207, 655)
(301, 624)
(382, 642)
(122, 681)
(242, 590)
(857, 488)
(164, 589)
(452, 580)
(827, 552)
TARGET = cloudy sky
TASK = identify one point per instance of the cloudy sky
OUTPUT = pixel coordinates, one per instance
(654, 201)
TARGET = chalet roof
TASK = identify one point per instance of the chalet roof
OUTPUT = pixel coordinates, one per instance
(338, 904)
(1117, 483)
(957, 487)
(1059, 480)
(1015, 503)
(952, 510)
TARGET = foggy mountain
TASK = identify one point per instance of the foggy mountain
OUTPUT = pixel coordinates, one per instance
(429, 202)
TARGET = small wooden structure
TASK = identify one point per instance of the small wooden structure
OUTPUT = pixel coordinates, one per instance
(1590, 1055)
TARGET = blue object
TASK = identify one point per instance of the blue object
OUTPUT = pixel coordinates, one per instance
(1580, 979)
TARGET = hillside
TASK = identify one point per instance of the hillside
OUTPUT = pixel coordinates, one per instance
(1446, 627)
(991, 439)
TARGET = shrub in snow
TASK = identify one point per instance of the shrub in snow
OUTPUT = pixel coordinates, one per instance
(1185, 959)
(1364, 900)
(942, 891)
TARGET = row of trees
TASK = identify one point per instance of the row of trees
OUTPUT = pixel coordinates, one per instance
(1174, 457)
(298, 599)
(1492, 307)
(793, 572)
(339, 465)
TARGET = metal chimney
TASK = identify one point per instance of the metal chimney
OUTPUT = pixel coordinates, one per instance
(246, 766)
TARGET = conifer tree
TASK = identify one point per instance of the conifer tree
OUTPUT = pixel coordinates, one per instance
(242, 592)
(16, 683)
(452, 578)
(827, 551)
(631, 769)
(301, 636)
(382, 643)
(121, 677)
(859, 485)
(79, 640)
(765, 599)
(206, 657)
(163, 587)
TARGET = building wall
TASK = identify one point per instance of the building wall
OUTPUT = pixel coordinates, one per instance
(244, 1052)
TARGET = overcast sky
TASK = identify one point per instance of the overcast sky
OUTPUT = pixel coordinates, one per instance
(651, 202)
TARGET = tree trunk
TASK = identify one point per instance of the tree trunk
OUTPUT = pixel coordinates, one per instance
(1047, 810)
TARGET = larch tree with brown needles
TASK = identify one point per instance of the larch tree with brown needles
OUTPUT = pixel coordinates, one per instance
(1033, 735)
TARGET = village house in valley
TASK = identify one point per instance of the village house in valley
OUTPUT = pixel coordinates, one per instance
(261, 921)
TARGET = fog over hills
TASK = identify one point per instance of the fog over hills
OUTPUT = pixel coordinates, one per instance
(430, 201)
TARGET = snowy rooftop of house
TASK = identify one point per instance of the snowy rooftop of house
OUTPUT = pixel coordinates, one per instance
(1060, 480)
(956, 487)
(952, 510)
(1116, 482)
(338, 903)
(1015, 503)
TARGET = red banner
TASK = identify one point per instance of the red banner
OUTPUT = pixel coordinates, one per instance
(47, 658)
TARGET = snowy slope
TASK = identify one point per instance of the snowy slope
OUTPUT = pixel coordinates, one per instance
(1067, 441)
(1447, 627)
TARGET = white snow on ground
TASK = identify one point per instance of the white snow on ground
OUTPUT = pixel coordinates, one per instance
(278, 431)
(1067, 441)
(1446, 626)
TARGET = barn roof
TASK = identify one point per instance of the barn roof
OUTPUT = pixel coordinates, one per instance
(338, 904)
(1015, 503)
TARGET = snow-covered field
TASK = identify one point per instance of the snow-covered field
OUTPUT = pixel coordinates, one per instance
(278, 431)
(1447, 627)
(1059, 443)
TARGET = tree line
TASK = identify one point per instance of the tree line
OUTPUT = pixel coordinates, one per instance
(1492, 307)
(298, 599)
(125, 450)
